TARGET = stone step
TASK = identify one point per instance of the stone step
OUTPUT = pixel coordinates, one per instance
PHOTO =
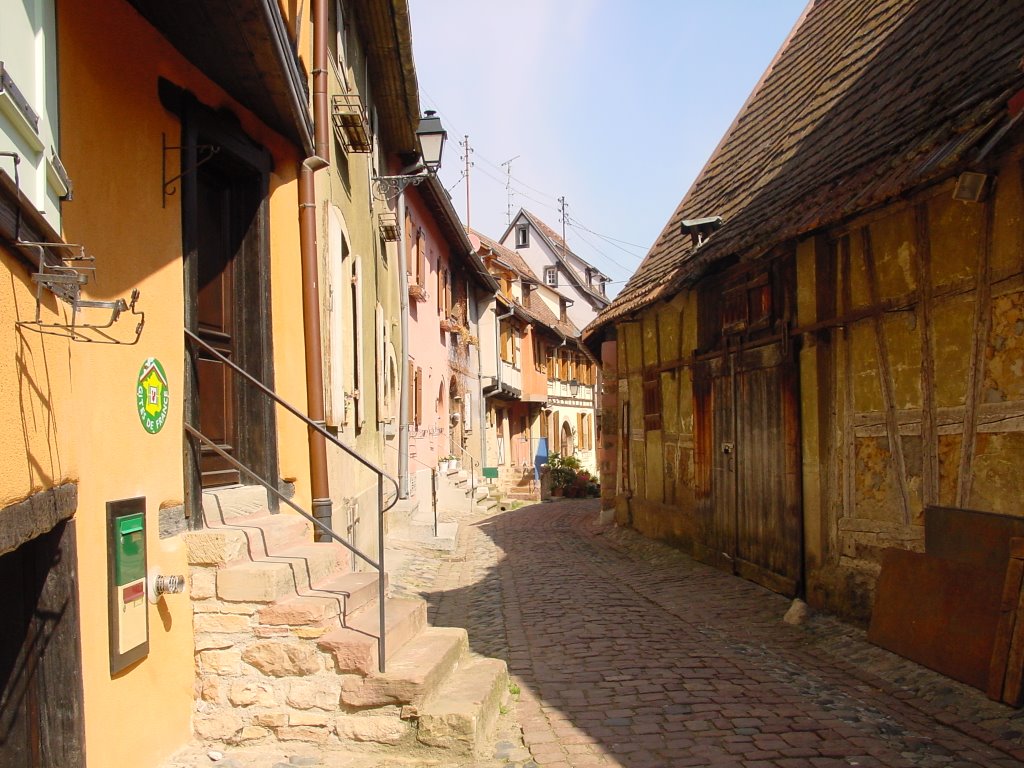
(461, 715)
(246, 537)
(401, 513)
(413, 673)
(354, 647)
(338, 597)
(423, 534)
(287, 572)
(222, 504)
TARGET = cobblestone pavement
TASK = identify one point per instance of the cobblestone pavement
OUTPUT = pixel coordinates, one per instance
(625, 652)
(628, 653)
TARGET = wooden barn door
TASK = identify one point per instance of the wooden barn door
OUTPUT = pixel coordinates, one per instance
(41, 704)
(748, 438)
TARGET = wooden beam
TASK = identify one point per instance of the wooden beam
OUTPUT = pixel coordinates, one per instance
(848, 437)
(976, 368)
(886, 379)
(929, 430)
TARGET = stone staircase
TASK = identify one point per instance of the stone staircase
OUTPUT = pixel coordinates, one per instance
(286, 645)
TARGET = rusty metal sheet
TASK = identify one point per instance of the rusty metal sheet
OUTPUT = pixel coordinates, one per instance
(940, 613)
(969, 536)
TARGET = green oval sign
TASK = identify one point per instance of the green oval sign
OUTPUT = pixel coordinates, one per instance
(152, 396)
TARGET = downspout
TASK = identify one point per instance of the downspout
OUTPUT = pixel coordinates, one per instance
(403, 397)
(310, 278)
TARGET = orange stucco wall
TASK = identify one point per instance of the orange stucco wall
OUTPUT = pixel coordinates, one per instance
(112, 121)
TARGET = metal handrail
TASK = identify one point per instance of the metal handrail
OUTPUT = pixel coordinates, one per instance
(378, 565)
(472, 475)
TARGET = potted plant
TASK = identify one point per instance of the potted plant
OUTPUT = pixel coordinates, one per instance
(563, 474)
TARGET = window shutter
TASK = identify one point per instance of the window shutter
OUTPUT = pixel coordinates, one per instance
(419, 396)
(579, 431)
(506, 337)
(652, 400)
(357, 311)
(556, 432)
(411, 392)
(421, 260)
(544, 426)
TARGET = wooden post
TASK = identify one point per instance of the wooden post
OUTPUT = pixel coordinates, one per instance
(929, 428)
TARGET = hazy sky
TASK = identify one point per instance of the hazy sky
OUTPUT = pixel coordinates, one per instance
(616, 105)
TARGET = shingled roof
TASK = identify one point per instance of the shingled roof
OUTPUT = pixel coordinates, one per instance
(864, 102)
(507, 255)
(535, 308)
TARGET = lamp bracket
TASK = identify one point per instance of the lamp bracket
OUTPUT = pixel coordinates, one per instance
(205, 154)
(390, 187)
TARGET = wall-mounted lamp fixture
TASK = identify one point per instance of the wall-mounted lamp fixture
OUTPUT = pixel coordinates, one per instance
(700, 230)
(574, 387)
(431, 136)
(970, 187)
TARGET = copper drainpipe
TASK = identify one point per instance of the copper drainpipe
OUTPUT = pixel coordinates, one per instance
(322, 506)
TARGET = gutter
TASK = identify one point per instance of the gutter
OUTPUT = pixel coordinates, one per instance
(286, 58)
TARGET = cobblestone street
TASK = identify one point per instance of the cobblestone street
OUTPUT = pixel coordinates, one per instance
(627, 653)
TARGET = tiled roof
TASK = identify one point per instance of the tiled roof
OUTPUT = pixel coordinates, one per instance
(507, 255)
(865, 102)
(540, 311)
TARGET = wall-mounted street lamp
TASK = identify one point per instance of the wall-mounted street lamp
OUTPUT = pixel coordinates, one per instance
(574, 387)
(431, 136)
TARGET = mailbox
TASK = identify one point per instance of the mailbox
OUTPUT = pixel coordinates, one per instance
(126, 572)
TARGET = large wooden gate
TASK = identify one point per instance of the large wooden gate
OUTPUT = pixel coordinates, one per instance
(747, 434)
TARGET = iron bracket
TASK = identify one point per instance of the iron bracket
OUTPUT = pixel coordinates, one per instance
(206, 153)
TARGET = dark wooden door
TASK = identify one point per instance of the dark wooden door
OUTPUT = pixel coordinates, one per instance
(748, 446)
(215, 313)
(41, 717)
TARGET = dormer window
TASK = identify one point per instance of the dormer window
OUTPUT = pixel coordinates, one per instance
(522, 236)
(551, 276)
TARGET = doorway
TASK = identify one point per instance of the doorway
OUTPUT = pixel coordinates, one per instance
(41, 710)
(227, 298)
(747, 429)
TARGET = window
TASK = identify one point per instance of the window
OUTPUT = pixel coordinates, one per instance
(652, 400)
(341, 44)
(522, 236)
(28, 104)
(551, 276)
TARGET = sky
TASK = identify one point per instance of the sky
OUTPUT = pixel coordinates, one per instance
(614, 105)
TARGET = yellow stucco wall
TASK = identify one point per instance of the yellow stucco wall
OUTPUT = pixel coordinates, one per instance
(34, 386)
(112, 122)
